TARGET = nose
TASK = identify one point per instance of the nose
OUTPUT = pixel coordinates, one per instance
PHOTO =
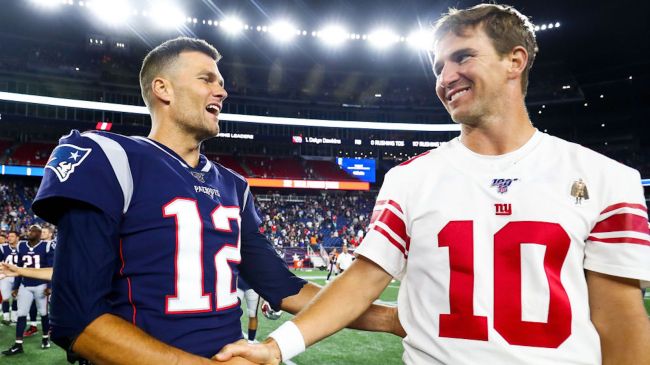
(448, 76)
(220, 92)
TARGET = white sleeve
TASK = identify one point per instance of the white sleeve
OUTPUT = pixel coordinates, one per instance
(387, 241)
(619, 242)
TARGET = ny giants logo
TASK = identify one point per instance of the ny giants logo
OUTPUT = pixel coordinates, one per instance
(503, 209)
(502, 184)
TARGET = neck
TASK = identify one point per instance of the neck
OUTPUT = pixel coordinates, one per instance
(498, 134)
(182, 143)
(33, 243)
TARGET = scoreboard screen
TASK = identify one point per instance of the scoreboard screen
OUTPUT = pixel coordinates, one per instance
(361, 168)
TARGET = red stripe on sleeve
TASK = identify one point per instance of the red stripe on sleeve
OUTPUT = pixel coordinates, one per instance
(394, 204)
(633, 240)
(379, 208)
(624, 205)
(622, 222)
(395, 223)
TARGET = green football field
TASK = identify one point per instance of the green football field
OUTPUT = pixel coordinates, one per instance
(348, 347)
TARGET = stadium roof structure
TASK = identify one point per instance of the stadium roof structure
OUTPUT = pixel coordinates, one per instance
(591, 35)
(600, 46)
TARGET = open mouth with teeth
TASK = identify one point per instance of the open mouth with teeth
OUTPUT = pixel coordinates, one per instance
(455, 95)
(213, 109)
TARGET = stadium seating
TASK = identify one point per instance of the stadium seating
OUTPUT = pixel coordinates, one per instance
(328, 170)
(34, 154)
(288, 221)
(229, 162)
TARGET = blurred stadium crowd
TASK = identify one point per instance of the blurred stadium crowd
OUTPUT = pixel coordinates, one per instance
(289, 221)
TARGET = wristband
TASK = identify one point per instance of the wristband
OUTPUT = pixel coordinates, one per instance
(289, 340)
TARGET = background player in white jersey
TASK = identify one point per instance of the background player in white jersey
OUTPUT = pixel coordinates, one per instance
(246, 293)
(8, 254)
(499, 263)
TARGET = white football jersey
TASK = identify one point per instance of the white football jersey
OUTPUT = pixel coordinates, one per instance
(491, 250)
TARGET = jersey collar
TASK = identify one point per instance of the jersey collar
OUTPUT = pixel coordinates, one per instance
(204, 164)
(489, 163)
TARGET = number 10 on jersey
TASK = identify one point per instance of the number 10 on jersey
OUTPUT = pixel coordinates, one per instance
(463, 323)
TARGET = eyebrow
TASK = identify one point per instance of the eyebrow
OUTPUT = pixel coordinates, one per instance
(212, 75)
(455, 54)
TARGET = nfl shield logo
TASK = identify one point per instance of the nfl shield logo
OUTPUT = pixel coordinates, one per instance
(65, 158)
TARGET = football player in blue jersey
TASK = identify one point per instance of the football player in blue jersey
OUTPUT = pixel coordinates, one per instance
(9, 255)
(32, 253)
(152, 236)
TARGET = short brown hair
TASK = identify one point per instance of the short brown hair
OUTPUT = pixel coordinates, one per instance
(165, 54)
(506, 27)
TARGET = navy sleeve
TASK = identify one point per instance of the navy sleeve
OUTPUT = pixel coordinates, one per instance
(78, 170)
(261, 267)
(87, 257)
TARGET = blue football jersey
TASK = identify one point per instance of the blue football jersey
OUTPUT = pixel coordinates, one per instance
(185, 234)
(8, 254)
(35, 257)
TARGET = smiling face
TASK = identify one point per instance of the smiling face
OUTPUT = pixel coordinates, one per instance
(470, 75)
(198, 94)
(46, 234)
(12, 238)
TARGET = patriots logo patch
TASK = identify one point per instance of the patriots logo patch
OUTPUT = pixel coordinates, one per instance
(65, 158)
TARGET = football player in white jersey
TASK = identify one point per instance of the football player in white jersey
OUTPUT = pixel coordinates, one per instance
(503, 256)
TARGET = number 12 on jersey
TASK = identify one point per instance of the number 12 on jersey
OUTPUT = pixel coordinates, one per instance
(190, 296)
(463, 323)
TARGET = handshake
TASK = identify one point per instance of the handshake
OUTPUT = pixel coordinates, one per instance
(265, 353)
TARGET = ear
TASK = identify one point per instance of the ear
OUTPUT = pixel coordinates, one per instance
(518, 61)
(162, 90)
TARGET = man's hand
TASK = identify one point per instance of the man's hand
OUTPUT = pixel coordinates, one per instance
(14, 293)
(47, 292)
(8, 270)
(266, 353)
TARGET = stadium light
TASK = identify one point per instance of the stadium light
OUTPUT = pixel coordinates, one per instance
(113, 12)
(333, 35)
(49, 4)
(420, 39)
(167, 15)
(383, 38)
(283, 31)
(232, 25)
